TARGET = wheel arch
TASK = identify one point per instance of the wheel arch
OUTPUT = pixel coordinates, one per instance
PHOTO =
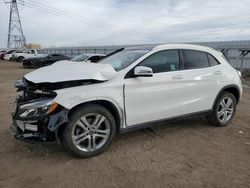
(110, 106)
(234, 89)
(114, 110)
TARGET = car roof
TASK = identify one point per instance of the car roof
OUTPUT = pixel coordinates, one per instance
(171, 46)
(182, 46)
(54, 54)
(93, 54)
(141, 47)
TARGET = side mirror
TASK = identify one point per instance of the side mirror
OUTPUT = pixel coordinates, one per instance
(142, 71)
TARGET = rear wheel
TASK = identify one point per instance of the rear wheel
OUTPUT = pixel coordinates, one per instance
(90, 131)
(223, 111)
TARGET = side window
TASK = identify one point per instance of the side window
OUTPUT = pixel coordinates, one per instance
(212, 60)
(32, 51)
(194, 59)
(163, 61)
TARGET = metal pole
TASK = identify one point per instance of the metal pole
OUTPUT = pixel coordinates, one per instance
(242, 61)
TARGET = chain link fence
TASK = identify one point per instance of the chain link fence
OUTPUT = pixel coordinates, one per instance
(233, 54)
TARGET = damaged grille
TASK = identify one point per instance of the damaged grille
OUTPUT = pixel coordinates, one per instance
(30, 91)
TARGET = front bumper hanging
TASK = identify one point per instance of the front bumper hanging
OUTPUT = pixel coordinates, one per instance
(41, 129)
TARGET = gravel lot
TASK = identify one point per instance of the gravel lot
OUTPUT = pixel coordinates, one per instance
(184, 153)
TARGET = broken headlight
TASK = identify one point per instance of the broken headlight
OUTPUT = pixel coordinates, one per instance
(37, 108)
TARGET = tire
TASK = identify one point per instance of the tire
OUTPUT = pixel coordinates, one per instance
(223, 113)
(19, 59)
(90, 131)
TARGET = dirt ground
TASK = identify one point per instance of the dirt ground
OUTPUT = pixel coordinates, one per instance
(184, 153)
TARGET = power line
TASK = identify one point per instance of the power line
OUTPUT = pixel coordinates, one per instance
(82, 17)
(78, 18)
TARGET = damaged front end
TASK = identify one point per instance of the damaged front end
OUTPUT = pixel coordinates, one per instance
(36, 117)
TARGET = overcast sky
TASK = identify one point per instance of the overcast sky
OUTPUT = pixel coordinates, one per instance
(115, 22)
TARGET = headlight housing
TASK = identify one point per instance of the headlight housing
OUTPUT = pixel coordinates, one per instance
(37, 108)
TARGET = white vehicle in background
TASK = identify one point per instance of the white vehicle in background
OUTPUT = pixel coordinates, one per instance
(16, 54)
(93, 58)
(9, 55)
(32, 53)
(84, 105)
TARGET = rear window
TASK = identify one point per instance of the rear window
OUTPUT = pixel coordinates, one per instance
(194, 59)
(212, 60)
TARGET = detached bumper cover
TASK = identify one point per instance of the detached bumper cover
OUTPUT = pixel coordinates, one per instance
(41, 129)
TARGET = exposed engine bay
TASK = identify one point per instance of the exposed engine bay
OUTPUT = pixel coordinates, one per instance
(31, 91)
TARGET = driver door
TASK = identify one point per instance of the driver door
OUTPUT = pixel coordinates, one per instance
(155, 98)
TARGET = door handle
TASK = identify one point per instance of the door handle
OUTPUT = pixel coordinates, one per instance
(177, 77)
(217, 72)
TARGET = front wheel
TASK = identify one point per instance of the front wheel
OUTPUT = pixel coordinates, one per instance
(223, 111)
(19, 59)
(89, 132)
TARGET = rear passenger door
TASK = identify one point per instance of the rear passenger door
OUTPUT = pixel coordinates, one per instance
(202, 72)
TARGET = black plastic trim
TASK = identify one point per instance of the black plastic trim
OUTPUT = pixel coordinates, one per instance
(151, 123)
(223, 89)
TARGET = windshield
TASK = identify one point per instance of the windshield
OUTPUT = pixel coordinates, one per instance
(78, 58)
(123, 59)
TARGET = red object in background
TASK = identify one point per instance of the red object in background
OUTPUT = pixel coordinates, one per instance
(2, 53)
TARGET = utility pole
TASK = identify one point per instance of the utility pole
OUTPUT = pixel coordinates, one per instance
(16, 39)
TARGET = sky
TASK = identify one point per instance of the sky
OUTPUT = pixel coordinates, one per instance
(117, 22)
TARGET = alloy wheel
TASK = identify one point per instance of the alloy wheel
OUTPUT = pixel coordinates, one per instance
(90, 132)
(225, 110)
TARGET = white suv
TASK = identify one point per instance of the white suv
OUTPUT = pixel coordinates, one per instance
(84, 105)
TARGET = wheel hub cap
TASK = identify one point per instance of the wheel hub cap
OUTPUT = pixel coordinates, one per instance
(90, 132)
(225, 109)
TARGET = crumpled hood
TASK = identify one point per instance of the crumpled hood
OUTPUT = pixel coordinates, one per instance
(71, 72)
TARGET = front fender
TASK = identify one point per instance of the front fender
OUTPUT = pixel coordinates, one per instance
(74, 96)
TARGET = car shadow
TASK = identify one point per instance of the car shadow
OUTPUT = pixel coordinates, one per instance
(157, 130)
